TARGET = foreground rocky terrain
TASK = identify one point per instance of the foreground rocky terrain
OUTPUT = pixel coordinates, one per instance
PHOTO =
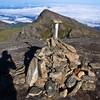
(88, 49)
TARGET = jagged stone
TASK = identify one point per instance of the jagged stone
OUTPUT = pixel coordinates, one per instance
(70, 81)
(88, 86)
(80, 74)
(43, 70)
(64, 93)
(58, 77)
(76, 88)
(88, 78)
(58, 65)
(34, 91)
(33, 74)
(51, 88)
(40, 82)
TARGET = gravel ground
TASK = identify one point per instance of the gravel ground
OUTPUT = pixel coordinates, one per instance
(88, 49)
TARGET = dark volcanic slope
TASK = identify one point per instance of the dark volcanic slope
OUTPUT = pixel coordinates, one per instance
(44, 25)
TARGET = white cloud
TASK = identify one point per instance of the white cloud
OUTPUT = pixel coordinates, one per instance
(8, 21)
(22, 11)
(84, 13)
(23, 19)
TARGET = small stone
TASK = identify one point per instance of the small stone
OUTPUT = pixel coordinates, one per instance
(71, 81)
(88, 86)
(92, 74)
(80, 74)
(64, 93)
(40, 82)
(58, 77)
(50, 87)
(22, 81)
(76, 88)
(35, 91)
(88, 78)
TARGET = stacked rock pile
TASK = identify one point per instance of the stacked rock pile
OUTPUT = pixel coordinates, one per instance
(56, 70)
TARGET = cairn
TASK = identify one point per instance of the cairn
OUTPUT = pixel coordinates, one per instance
(57, 70)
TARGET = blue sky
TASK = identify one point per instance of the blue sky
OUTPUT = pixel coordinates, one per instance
(16, 3)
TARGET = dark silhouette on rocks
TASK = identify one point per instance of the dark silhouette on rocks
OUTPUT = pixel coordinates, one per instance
(7, 90)
(28, 56)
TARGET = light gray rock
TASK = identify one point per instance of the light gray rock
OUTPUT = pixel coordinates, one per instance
(71, 81)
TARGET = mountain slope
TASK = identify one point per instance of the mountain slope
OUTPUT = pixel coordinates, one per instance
(8, 31)
(44, 26)
(3, 25)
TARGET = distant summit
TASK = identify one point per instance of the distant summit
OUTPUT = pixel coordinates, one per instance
(44, 26)
(49, 14)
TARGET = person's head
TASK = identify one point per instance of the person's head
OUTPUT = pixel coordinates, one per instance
(5, 54)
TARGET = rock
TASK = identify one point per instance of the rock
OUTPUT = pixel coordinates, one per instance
(70, 81)
(58, 77)
(19, 79)
(32, 74)
(41, 54)
(88, 86)
(51, 88)
(92, 74)
(43, 70)
(64, 93)
(51, 42)
(34, 91)
(74, 58)
(40, 82)
(69, 47)
(88, 78)
(76, 88)
(80, 74)
(95, 65)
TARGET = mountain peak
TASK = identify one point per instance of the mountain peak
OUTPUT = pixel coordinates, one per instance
(47, 14)
(44, 25)
(46, 11)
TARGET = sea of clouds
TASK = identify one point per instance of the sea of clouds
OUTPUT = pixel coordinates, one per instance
(87, 14)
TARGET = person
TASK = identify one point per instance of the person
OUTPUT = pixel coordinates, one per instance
(7, 89)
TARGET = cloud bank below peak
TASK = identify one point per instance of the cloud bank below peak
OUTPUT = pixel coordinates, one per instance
(87, 14)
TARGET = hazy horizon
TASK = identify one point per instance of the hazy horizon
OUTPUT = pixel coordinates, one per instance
(87, 11)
